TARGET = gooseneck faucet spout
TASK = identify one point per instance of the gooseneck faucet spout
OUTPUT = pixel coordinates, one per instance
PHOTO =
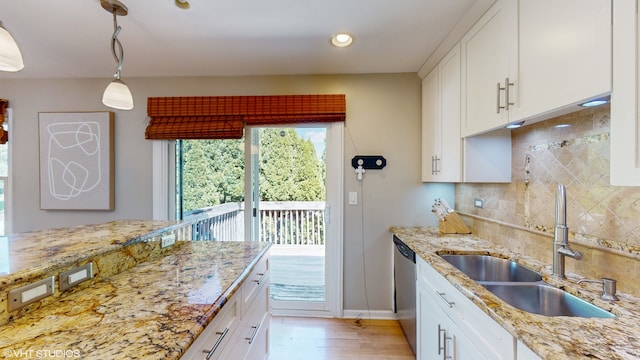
(561, 235)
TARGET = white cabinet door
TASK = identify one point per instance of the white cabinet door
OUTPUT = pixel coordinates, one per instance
(524, 353)
(431, 140)
(564, 52)
(438, 335)
(441, 145)
(473, 334)
(625, 129)
(489, 70)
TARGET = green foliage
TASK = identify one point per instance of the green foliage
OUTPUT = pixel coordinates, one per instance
(213, 170)
(213, 173)
(289, 167)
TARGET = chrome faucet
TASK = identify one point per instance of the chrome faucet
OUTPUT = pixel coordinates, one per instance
(561, 235)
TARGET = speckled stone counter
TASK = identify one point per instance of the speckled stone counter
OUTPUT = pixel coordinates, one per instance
(151, 311)
(550, 337)
(113, 247)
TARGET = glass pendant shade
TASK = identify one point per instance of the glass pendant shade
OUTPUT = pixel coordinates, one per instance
(118, 96)
(10, 56)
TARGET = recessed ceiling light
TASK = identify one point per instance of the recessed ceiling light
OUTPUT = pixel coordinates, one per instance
(561, 126)
(341, 40)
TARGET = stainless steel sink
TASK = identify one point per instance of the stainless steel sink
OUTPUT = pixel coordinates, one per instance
(490, 268)
(546, 300)
(522, 287)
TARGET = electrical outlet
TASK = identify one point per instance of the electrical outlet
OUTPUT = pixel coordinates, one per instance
(479, 203)
(168, 240)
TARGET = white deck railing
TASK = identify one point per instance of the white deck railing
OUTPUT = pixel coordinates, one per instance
(290, 222)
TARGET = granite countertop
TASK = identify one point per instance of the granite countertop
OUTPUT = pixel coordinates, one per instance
(152, 311)
(112, 247)
(557, 337)
(38, 250)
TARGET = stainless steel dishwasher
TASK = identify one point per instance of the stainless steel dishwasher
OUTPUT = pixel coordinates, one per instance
(404, 276)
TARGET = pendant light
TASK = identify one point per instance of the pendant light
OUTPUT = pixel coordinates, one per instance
(10, 56)
(117, 94)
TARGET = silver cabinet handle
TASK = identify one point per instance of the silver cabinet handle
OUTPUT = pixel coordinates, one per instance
(218, 341)
(507, 98)
(440, 344)
(434, 165)
(450, 303)
(498, 106)
(445, 356)
(253, 334)
(257, 281)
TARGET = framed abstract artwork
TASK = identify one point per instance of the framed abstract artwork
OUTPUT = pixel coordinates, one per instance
(76, 160)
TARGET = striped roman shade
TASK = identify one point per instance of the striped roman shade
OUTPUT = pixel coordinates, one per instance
(224, 117)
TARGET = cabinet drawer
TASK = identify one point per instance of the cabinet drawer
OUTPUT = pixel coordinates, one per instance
(491, 339)
(253, 283)
(250, 331)
(211, 342)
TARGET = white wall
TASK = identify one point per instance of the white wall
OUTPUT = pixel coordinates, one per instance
(383, 118)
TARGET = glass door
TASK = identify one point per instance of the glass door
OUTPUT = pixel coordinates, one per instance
(292, 215)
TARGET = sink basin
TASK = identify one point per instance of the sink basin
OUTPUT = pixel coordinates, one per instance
(522, 288)
(546, 300)
(490, 268)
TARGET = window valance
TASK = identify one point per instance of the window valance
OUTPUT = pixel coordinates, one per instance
(224, 117)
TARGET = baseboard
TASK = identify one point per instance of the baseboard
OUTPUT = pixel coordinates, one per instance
(370, 314)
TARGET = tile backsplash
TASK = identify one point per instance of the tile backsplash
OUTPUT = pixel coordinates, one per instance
(600, 217)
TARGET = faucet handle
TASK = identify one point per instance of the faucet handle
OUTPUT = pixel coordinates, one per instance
(608, 288)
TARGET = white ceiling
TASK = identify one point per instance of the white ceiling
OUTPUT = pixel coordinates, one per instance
(227, 37)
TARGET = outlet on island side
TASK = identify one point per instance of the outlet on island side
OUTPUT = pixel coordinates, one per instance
(168, 240)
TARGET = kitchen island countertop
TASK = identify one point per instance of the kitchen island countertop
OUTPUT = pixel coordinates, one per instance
(152, 311)
(550, 337)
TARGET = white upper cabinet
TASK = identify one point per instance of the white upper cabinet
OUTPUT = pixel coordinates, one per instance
(441, 144)
(534, 59)
(564, 52)
(489, 70)
(625, 124)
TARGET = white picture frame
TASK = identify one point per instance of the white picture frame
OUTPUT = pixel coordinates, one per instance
(76, 160)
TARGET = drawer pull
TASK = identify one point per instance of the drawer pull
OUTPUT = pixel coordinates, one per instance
(450, 303)
(215, 346)
(254, 333)
(257, 281)
(445, 356)
(440, 344)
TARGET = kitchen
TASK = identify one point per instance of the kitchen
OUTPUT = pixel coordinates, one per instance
(390, 101)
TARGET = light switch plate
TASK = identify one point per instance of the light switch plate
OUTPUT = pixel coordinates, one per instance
(30, 293)
(479, 203)
(353, 198)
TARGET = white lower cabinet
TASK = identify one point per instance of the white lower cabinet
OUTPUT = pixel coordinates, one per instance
(241, 329)
(524, 353)
(438, 335)
(450, 326)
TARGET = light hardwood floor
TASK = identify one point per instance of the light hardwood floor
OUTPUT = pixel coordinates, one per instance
(294, 338)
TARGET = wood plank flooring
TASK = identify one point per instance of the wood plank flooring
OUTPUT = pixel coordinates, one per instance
(294, 338)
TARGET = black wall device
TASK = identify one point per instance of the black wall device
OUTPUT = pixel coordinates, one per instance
(369, 162)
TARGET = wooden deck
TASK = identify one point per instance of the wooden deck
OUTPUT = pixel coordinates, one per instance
(297, 273)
